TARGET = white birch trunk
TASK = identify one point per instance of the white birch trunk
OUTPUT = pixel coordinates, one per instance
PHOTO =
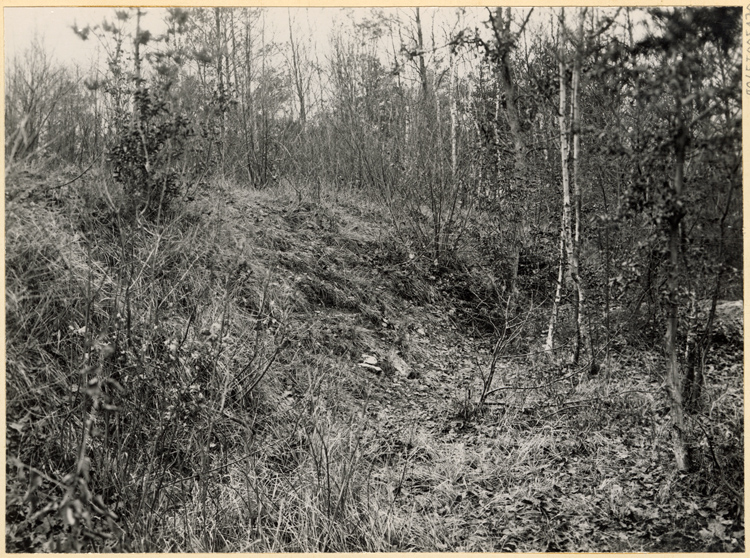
(549, 345)
(564, 138)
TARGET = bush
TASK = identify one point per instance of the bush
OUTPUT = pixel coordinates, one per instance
(147, 151)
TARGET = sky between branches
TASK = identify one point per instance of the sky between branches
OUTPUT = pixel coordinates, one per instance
(52, 26)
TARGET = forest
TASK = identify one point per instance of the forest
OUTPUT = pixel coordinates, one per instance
(376, 280)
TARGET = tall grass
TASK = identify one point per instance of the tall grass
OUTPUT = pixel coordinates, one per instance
(148, 366)
(129, 356)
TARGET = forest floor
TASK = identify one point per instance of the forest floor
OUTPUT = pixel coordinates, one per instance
(364, 432)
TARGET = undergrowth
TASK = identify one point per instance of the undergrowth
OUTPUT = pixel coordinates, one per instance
(204, 383)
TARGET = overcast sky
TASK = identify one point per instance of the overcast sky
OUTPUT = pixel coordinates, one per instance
(53, 27)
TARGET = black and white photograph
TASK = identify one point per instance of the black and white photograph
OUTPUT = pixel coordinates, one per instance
(374, 279)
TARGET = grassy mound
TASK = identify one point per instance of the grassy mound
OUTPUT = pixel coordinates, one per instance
(261, 374)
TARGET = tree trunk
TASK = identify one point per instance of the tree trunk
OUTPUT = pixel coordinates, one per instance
(297, 73)
(566, 240)
(674, 376)
(220, 82)
(248, 108)
(698, 347)
(454, 114)
(233, 32)
(505, 39)
(420, 55)
(549, 346)
(564, 140)
(691, 386)
(575, 126)
(497, 138)
(509, 90)
(569, 121)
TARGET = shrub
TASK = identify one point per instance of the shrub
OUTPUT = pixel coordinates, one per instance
(146, 153)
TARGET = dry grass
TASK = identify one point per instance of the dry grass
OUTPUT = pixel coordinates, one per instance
(194, 386)
(155, 402)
